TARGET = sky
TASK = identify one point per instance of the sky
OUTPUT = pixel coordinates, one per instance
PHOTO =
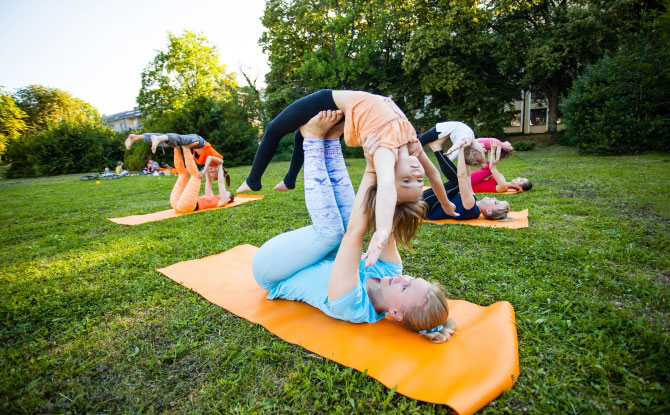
(96, 49)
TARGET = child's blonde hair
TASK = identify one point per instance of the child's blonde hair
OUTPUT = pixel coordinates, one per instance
(406, 217)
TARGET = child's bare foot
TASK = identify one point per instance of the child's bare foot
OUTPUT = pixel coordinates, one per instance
(154, 143)
(318, 126)
(244, 187)
(129, 141)
(335, 131)
(281, 187)
(438, 144)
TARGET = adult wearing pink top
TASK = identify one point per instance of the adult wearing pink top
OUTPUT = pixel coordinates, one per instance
(489, 179)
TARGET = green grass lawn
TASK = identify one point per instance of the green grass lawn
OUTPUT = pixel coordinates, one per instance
(89, 326)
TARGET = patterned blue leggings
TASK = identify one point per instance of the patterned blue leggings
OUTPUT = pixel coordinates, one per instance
(329, 196)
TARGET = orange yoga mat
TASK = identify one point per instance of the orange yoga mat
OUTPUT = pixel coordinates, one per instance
(518, 220)
(509, 191)
(465, 373)
(171, 213)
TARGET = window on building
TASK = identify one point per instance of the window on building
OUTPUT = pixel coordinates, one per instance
(516, 119)
(538, 116)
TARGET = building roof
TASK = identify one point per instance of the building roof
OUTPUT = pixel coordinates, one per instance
(122, 115)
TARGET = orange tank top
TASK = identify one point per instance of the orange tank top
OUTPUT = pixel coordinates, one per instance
(374, 115)
(208, 202)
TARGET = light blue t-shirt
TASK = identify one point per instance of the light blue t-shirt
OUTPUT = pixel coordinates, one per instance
(310, 285)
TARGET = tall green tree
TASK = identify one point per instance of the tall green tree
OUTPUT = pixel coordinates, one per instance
(341, 44)
(459, 65)
(554, 40)
(47, 107)
(12, 122)
(189, 68)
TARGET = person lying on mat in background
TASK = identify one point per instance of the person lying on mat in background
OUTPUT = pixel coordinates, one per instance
(321, 265)
(459, 189)
(399, 173)
(490, 180)
(457, 132)
(184, 197)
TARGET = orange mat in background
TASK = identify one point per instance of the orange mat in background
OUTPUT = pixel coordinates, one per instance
(465, 373)
(509, 191)
(171, 213)
(519, 220)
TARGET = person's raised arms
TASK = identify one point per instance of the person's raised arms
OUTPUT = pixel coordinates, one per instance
(435, 179)
(344, 274)
(464, 182)
(501, 183)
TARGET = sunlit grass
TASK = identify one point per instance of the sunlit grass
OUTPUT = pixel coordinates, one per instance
(89, 326)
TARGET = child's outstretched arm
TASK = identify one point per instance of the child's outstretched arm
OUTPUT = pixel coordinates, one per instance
(433, 175)
(384, 165)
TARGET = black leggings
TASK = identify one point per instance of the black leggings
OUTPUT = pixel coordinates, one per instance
(290, 119)
(451, 185)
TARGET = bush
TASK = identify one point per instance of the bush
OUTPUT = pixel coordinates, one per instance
(619, 105)
(524, 145)
(66, 148)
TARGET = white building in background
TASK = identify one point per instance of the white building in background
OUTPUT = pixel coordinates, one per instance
(530, 116)
(125, 121)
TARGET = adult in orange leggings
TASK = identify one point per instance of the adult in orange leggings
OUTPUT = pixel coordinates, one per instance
(185, 194)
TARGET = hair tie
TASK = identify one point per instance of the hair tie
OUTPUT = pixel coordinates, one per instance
(433, 330)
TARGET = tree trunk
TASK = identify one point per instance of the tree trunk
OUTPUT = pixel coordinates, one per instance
(553, 94)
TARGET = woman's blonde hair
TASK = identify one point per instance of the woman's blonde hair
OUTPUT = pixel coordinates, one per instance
(432, 313)
(406, 218)
(498, 213)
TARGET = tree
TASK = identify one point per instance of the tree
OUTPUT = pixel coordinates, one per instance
(554, 40)
(11, 121)
(46, 107)
(458, 63)
(339, 44)
(189, 68)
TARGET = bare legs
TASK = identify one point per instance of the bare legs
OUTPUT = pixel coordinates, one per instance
(184, 196)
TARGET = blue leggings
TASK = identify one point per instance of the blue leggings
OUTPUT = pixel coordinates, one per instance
(329, 196)
(289, 120)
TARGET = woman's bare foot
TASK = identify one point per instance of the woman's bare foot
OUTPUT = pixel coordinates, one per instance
(154, 143)
(335, 131)
(244, 187)
(438, 144)
(281, 187)
(320, 124)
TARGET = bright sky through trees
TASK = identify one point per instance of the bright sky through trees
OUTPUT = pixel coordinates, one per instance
(96, 50)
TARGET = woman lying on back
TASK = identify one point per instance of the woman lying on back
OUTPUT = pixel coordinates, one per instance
(322, 266)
